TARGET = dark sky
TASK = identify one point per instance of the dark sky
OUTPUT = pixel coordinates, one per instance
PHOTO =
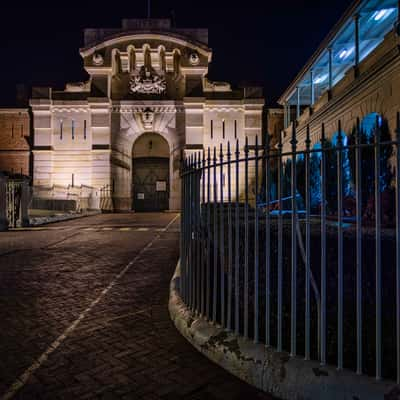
(263, 42)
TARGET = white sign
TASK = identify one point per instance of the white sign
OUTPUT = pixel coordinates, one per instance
(161, 186)
(140, 196)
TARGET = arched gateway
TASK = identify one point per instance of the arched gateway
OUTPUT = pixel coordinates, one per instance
(150, 176)
(147, 101)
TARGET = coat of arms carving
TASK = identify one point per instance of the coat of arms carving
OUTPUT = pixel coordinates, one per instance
(147, 82)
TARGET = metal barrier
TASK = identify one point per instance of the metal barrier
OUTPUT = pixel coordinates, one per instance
(17, 200)
(319, 279)
(14, 194)
(106, 199)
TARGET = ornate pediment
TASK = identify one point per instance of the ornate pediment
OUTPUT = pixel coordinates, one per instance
(147, 81)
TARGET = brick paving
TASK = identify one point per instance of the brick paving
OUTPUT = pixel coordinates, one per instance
(124, 346)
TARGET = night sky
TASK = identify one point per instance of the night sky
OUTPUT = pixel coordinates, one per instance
(259, 42)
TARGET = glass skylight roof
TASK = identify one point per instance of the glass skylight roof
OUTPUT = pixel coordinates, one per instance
(376, 19)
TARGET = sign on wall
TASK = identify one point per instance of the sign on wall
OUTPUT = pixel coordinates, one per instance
(161, 186)
(140, 196)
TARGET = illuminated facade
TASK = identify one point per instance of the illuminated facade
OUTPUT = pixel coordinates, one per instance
(355, 73)
(147, 100)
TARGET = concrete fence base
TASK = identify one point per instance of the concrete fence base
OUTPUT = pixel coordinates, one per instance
(277, 373)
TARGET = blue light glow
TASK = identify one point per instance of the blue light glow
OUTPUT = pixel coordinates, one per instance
(345, 53)
(377, 18)
(347, 178)
(321, 79)
(368, 123)
(335, 139)
(382, 14)
(315, 176)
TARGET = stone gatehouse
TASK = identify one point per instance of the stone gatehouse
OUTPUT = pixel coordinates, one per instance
(147, 100)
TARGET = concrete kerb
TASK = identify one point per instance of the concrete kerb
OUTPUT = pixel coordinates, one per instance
(38, 221)
(276, 373)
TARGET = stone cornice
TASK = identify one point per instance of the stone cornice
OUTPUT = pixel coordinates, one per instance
(195, 71)
(224, 108)
(12, 151)
(94, 70)
(14, 110)
(70, 109)
(155, 107)
(148, 35)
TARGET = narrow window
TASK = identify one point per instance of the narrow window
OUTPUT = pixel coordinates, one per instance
(223, 129)
(61, 129)
(73, 129)
(84, 129)
(212, 129)
(22, 130)
(12, 130)
(235, 129)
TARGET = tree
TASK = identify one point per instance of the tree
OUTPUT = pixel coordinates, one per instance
(315, 180)
(368, 160)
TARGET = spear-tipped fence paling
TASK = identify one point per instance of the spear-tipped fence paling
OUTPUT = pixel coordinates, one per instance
(294, 283)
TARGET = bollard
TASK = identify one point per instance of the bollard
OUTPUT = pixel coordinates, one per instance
(3, 203)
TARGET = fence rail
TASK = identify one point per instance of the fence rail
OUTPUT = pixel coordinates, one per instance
(299, 250)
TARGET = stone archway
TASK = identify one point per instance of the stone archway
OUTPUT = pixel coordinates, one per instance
(150, 173)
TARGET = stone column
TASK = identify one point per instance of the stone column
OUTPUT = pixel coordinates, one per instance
(132, 60)
(147, 58)
(3, 203)
(25, 199)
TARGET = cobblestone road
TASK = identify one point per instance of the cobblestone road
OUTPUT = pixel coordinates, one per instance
(83, 314)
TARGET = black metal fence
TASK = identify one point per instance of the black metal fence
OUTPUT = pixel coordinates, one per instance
(299, 250)
(17, 198)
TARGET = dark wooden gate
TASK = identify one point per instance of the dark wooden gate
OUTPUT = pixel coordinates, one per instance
(150, 184)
